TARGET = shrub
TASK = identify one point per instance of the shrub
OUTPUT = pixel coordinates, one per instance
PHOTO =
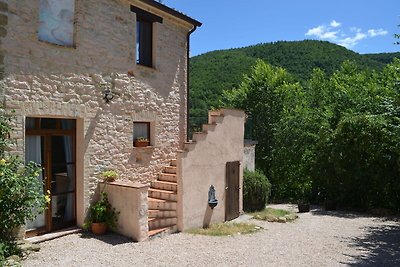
(256, 190)
(21, 196)
(8, 248)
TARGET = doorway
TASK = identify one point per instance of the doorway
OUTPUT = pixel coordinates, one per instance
(232, 190)
(51, 143)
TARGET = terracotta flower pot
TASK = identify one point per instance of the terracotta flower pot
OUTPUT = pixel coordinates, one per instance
(141, 143)
(99, 228)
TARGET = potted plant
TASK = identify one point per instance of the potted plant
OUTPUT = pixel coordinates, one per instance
(141, 142)
(102, 216)
(109, 175)
(303, 196)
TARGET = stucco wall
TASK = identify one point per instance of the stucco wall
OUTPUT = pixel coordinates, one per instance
(205, 165)
(42, 79)
(132, 219)
(249, 155)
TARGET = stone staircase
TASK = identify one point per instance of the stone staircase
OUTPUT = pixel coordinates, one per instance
(162, 197)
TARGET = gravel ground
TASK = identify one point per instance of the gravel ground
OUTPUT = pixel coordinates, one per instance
(317, 238)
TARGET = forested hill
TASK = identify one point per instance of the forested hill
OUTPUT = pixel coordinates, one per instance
(218, 70)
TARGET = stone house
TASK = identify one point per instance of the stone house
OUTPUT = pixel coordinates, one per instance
(86, 78)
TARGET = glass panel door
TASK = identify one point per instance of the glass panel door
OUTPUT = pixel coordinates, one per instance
(62, 182)
(54, 149)
(34, 152)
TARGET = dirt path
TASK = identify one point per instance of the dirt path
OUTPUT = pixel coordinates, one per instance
(317, 238)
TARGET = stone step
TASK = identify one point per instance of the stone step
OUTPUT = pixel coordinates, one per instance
(216, 119)
(157, 223)
(209, 127)
(173, 162)
(163, 231)
(199, 136)
(162, 213)
(170, 169)
(162, 194)
(189, 146)
(161, 204)
(167, 177)
(164, 185)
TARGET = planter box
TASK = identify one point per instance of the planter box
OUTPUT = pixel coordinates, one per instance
(141, 143)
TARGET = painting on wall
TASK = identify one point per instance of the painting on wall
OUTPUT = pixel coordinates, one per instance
(56, 21)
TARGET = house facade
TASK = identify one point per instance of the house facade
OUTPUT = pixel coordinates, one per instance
(85, 79)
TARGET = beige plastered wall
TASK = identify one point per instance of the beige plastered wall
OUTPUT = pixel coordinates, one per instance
(40, 79)
(205, 165)
(132, 219)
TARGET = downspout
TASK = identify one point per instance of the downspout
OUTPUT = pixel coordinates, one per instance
(188, 82)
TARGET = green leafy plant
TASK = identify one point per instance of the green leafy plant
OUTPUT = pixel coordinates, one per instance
(256, 190)
(20, 192)
(109, 175)
(102, 212)
(273, 215)
(142, 139)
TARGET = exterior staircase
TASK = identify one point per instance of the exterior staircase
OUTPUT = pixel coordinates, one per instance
(162, 199)
(163, 193)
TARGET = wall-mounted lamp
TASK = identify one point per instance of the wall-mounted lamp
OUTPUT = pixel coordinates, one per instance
(107, 92)
(212, 201)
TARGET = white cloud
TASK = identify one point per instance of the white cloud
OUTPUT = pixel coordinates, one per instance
(350, 42)
(378, 32)
(334, 33)
(317, 31)
(335, 24)
(322, 32)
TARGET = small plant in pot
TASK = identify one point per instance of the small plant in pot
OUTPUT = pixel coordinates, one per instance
(141, 142)
(102, 216)
(109, 176)
(303, 196)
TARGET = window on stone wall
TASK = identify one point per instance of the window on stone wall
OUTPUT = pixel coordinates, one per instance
(144, 36)
(141, 131)
(56, 21)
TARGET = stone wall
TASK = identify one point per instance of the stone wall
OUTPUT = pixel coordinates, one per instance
(47, 80)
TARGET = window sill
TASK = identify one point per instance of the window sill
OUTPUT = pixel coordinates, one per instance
(144, 147)
(144, 67)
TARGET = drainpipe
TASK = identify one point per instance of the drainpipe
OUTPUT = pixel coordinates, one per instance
(187, 81)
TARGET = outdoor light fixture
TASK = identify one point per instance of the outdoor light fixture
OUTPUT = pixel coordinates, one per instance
(107, 92)
(212, 201)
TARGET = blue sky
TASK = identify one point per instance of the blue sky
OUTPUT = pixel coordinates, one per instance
(364, 26)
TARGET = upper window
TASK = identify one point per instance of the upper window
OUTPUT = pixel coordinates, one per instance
(144, 43)
(144, 36)
(56, 21)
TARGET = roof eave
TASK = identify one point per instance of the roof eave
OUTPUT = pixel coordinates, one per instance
(172, 12)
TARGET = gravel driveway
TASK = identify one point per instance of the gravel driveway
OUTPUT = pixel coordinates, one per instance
(317, 238)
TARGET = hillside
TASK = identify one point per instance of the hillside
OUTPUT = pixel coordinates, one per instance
(215, 71)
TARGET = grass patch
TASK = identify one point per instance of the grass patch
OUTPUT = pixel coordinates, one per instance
(224, 229)
(274, 215)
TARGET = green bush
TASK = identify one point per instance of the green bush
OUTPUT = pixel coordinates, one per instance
(363, 155)
(20, 192)
(256, 190)
(8, 248)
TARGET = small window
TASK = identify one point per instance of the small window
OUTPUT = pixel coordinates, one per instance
(144, 36)
(56, 21)
(144, 43)
(141, 131)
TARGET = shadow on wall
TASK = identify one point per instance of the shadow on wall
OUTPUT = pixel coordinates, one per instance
(381, 246)
(207, 216)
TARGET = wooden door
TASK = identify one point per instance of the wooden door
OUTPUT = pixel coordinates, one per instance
(232, 190)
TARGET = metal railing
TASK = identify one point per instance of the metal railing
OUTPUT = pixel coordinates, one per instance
(196, 124)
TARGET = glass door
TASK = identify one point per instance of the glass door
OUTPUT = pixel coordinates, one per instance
(51, 143)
